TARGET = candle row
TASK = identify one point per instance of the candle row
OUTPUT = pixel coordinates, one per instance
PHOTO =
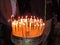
(27, 24)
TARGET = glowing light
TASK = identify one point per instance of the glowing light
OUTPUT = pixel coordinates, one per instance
(31, 26)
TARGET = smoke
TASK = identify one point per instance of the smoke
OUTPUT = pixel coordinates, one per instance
(13, 5)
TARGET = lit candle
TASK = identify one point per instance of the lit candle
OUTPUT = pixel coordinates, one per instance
(23, 29)
(20, 29)
(37, 23)
(22, 26)
(12, 17)
(31, 23)
(40, 29)
(30, 27)
(18, 23)
(13, 27)
(43, 27)
(26, 27)
(34, 23)
(17, 27)
(22, 23)
(41, 21)
(26, 21)
(19, 18)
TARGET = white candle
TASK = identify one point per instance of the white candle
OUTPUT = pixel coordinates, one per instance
(35, 23)
(40, 29)
(13, 27)
(17, 27)
(30, 26)
(24, 30)
(43, 27)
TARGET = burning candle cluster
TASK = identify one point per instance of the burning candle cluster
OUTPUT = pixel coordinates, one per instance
(27, 27)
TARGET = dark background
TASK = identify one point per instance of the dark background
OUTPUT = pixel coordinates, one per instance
(36, 7)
